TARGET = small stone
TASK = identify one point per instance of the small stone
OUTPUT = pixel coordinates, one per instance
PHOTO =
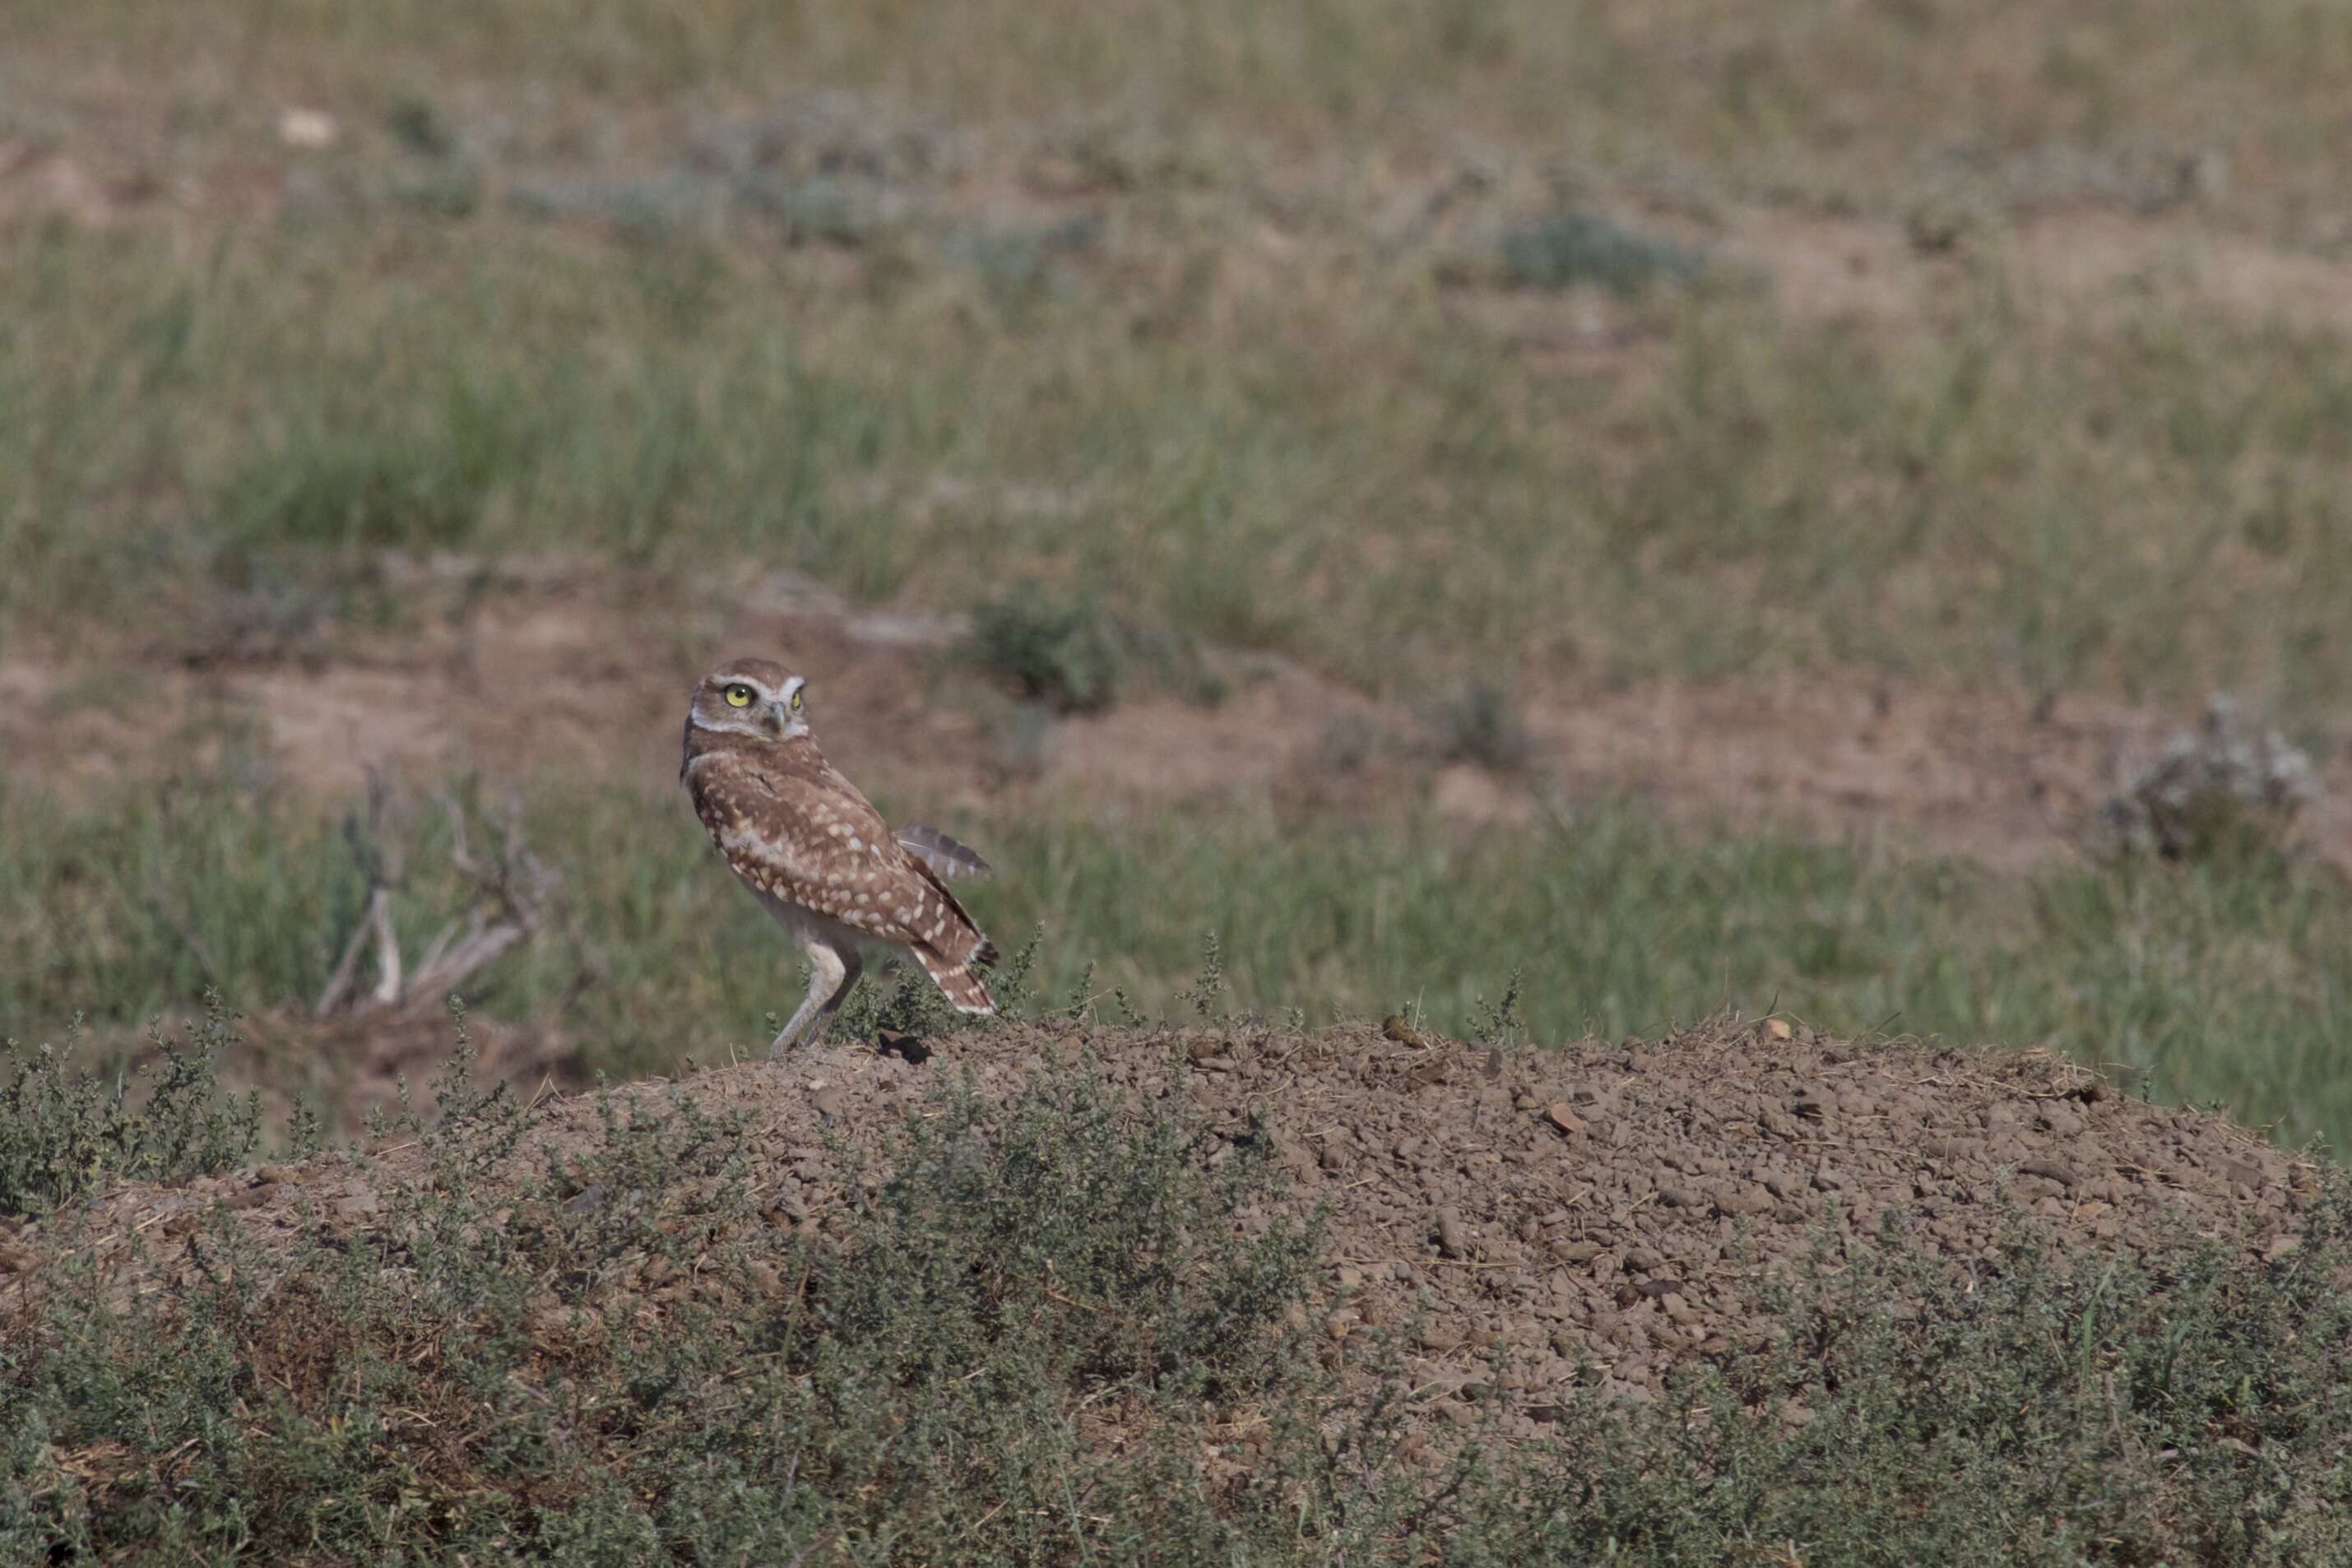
(311, 130)
(2052, 1170)
(2060, 1119)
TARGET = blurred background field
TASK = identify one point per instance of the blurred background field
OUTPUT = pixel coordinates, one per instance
(1691, 504)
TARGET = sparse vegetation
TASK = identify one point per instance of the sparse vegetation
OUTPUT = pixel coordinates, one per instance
(1332, 351)
(1063, 653)
(2014, 1411)
(761, 333)
(1570, 248)
(2216, 980)
(1478, 722)
(2222, 790)
(67, 1127)
(1059, 1330)
(920, 1375)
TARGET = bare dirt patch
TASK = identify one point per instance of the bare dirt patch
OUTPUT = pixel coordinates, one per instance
(1995, 775)
(1519, 1220)
(2082, 256)
(568, 676)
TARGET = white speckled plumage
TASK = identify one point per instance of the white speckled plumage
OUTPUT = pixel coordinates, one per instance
(815, 852)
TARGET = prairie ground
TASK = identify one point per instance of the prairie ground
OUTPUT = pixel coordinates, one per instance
(1549, 522)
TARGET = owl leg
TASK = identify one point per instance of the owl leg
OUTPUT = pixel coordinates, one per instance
(832, 973)
(852, 966)
(825, 969)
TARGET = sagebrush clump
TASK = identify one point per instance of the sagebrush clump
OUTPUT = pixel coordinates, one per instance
(2224, 788)
(1063, 653)
(1478, 721)
(1574, 247)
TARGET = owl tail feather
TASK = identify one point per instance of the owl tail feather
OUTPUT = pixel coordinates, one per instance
(965, 991)
(948, 859)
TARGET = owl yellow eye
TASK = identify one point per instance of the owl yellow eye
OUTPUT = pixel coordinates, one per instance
(739, 695)
(796, 701)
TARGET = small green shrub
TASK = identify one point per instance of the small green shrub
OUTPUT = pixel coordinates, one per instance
(64, 1131)
(2222, 790)
(1570, 248)
(1065, 653)
(1498, 1022)
(419, 127)
(1479, 723)
(1021, 267)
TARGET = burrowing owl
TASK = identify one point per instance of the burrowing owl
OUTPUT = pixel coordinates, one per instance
(816, 852)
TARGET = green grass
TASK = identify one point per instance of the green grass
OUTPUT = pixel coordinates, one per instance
(1225, 389)
(1818, 98)
(1018, 1348)
(2205, 983)
(2132, 502)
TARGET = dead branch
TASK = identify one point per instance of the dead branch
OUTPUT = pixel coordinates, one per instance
(511, 887)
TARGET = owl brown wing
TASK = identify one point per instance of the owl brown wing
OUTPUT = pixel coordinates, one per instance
(811, 839)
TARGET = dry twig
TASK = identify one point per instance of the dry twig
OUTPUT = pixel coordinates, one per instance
(511, 888)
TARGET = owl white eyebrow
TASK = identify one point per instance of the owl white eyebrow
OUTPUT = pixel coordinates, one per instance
(794, 684)
(726, 680)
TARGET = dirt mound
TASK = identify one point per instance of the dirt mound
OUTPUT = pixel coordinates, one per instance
(1608, 1208)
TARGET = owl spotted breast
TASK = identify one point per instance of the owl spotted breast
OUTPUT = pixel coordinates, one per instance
(816, 853)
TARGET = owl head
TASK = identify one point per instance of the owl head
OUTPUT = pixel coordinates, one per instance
(756, 696)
